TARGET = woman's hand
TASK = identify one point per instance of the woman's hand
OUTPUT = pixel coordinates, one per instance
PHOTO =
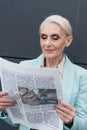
(66, 112)
(5, 102)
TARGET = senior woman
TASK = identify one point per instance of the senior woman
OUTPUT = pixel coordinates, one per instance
(55, 35)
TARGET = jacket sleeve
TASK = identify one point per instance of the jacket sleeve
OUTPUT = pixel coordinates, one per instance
(6, 118)
(80, 121)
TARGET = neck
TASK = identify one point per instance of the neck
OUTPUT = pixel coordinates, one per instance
(52, 63)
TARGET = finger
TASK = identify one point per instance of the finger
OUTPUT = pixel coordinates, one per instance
(65, 115)
(4, 106)
(6, 100)
(3, 94)
(64, 109)
(67, 105)
(66, 118)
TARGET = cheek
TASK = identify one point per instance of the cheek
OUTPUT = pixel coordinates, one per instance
(60, 48)
(41, 43)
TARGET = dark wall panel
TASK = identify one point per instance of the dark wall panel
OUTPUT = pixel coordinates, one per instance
(20, 20)
(81, 36)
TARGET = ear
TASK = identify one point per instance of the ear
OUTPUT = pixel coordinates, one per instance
(68, 41)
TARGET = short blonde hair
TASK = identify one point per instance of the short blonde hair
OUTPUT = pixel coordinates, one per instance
(63, 22)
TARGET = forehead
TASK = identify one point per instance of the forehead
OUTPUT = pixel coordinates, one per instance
(51, 28)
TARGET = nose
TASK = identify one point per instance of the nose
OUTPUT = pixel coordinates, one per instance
(48, 42)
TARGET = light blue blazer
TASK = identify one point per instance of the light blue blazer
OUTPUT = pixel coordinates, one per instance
(74, 91)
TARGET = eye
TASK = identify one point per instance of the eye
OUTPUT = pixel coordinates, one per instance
(55, 37)
(43, 36)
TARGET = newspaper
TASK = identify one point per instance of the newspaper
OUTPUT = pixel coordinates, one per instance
(35, 91)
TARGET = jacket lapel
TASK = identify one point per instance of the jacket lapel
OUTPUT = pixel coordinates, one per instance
(67, 82)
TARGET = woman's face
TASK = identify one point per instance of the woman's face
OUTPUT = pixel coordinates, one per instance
(53, 40)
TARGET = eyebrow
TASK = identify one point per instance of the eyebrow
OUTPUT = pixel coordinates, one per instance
(51, 34)
(42, 33)
(55, 34)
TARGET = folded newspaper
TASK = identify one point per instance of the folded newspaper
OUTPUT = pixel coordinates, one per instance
(35, 91)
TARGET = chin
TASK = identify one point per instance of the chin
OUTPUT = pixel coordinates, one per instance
(49, 56)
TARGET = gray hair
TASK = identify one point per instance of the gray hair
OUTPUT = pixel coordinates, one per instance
(63, 22)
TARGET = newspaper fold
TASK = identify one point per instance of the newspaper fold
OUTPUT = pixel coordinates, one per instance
(35, 91)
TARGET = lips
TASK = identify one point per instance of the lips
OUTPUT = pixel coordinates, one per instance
(48, 50)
